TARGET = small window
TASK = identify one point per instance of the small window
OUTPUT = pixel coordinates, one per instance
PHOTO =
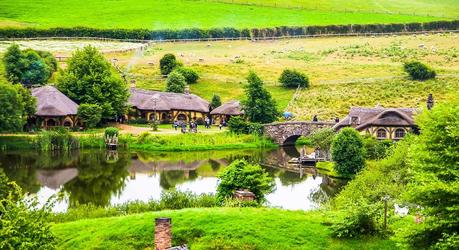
(399, 133)
(382, 133)
(67, 124)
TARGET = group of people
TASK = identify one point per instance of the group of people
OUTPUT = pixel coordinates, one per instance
(192, 125)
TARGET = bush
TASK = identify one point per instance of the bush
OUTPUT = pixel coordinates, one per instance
(376, 149)
(241, 175)
(237, 125)
(167, 64)
(293, 79)
(348, 152)
(111, 131)
(57, 139)
(190, 75)
(22, 225)
(175, 83)
(419, 71)
(90, 114)
(359, 220)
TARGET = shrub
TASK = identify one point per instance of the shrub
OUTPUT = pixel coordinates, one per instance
(348, 152)
(22, 225)
(239, 126)
(175, 83)
(57, 139)
(359, 220)
(376, 149)
(111, 131)
(419, 71)
(90, 114)
(167, 64)
(242, 175)
(190, 75)
(293, 79)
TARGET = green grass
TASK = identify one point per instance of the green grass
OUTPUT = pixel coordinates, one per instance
(213, 228)
(179, 14)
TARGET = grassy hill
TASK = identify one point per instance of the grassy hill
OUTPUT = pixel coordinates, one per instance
(178, 14)
(213, 228)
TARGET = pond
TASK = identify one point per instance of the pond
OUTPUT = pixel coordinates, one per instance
(115, 177)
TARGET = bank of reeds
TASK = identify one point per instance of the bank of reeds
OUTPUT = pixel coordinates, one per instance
(59, 139)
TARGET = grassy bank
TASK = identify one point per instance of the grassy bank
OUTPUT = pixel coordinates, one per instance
(204, 14)
(213, 228)
(151, 142)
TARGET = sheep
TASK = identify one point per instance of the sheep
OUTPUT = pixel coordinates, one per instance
(401, 211)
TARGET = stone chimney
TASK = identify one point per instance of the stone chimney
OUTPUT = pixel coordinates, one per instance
(163, 233)
(133, 83)
(187, 90)
(430, 102)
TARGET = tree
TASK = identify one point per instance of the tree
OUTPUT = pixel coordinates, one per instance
(16, 104)
(167, 64)
(216, 101)
(323, 139)
(89, 79)
(14, 63)
(435, 183)
(90, 114)
(419, 71)
(36, 70)
(190, 75)
(29, 66)
(293, 79)
(241, 175)
(259, 105)
(348, 152)
(175, 83)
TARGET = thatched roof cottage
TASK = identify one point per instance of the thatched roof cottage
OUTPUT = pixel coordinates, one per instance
(166, 106)
(54, 108)
(382, 123)
(227, 110)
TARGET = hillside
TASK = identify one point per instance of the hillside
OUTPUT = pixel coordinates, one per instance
(213, 228)
(179, 14)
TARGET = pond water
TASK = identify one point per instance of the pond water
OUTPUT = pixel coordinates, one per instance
(115, 177)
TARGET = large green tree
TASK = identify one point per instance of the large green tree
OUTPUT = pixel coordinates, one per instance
(89, 79)
(348, 152)
(216, 101)
(28, 67)
(16, 104)
(435, 183)
(259, 106)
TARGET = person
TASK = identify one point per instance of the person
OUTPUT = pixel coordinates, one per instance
(207, 122)
(183, 127)
(337, 119)
(175, 125)
(315, 119)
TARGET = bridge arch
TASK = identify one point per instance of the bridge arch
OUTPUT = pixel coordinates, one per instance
(286, 133)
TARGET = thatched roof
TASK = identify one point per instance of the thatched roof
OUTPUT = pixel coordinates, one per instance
(166, 101)
(401, 117)
(229, 108)
(51, 102)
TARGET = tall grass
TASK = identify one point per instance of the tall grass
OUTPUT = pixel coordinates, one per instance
(169, 200)
(58, 139)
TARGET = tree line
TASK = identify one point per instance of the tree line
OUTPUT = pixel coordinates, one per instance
(255, 33)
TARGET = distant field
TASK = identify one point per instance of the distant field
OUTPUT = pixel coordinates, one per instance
(178, 14)
(344, 72)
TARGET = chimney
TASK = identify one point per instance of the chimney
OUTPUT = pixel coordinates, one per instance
(132, 83)
(187, 90)
(430, 102)
(163, 233)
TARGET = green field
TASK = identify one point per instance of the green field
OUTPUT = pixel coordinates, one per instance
(178, 14)
(213, 228)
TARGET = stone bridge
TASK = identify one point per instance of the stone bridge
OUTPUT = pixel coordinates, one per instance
(286, 133)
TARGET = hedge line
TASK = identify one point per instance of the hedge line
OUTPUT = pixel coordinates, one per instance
(144, 34)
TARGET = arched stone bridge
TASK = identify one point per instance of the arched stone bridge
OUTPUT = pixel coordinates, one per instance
(286, 133)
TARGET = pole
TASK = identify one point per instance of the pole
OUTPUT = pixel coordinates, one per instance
(385, 214)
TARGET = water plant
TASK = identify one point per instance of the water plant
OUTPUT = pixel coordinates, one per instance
(57, 139)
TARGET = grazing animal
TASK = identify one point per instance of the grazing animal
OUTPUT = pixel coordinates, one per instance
(401, 211)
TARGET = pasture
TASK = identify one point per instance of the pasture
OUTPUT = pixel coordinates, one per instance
(179, 14)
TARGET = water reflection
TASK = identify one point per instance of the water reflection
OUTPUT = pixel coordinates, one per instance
(114, 177)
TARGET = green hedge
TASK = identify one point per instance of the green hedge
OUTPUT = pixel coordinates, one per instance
(144, 34)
